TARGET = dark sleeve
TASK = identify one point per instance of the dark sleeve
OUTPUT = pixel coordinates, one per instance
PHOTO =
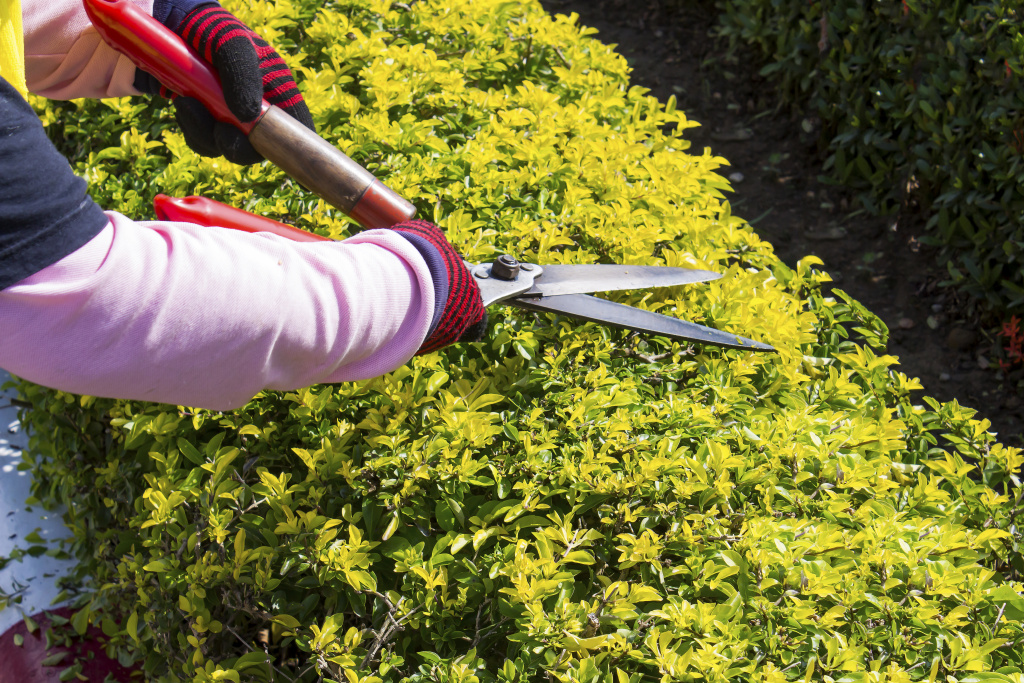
(45, 213)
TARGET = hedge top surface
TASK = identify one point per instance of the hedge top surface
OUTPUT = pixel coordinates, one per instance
(563, 502)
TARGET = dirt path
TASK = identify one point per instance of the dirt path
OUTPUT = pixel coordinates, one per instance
(775, 168)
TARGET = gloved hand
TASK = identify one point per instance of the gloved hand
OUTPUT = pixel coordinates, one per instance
(249, 68)
(459, 314)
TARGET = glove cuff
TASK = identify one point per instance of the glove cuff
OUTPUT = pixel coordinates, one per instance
(459, 313)
(438, 274)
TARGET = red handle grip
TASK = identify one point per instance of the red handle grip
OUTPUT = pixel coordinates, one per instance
(159, 51)
(208, 212)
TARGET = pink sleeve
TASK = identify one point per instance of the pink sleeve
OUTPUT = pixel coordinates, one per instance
(207, 317)
(64, 56)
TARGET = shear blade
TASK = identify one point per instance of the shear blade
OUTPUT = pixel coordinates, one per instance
(609, 313)
(601, 277)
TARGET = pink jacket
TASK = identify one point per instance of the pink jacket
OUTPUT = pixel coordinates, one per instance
(64, 56)
(205, 317)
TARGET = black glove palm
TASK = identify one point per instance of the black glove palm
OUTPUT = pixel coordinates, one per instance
(249, 68)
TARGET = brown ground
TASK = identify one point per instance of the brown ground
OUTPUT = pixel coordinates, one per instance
(877, 260)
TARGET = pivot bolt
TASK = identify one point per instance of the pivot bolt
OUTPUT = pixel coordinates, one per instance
(505, 268)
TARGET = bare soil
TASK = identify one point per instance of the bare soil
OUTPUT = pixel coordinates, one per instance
(775, 150)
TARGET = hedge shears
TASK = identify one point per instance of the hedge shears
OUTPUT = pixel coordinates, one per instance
(324, 169)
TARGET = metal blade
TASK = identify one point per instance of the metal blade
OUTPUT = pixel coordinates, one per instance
(612, 314)
(600, 277)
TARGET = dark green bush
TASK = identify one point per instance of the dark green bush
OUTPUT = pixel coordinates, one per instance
(563, 502)
(922, 103)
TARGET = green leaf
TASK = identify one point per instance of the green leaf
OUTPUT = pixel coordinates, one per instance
(287, 621)
(250, 659)
(391, 528)
(579, 557)
(444, 515)
(80, 620)
(456, 510)
(158, 566)
(190, 452)
(131, 627)
(436, 381)
(54, 659)
(1014, 602)
(71, 673)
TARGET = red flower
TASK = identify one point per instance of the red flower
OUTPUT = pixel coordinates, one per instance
(1015, 342)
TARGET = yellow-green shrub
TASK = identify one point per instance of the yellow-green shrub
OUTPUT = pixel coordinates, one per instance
(563, 502)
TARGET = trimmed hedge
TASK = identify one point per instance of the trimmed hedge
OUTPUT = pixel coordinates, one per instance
(922, 103)
(563, 502)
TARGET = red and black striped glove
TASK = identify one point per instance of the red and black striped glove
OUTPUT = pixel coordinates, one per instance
(249, 69)
(459, 314)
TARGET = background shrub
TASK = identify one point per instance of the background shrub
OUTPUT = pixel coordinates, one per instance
(923, 104)
(563, 502)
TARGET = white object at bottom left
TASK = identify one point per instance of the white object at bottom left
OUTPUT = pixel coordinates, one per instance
(33, 578)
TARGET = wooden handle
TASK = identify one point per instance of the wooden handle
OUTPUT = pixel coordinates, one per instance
(327, 171)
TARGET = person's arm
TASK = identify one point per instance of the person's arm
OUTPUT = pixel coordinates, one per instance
(98, 304)
(65, 57)
(208, 317)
